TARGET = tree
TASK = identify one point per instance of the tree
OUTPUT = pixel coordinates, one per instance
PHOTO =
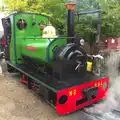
(86, 26)
(110, 18)
(53, 8)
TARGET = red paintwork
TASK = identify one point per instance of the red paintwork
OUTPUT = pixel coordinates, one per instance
(31, 48)
(25, 81)
(112, 46)
(70, 105)
(3, 41)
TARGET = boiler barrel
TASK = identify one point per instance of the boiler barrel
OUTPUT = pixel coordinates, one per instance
(41, 49)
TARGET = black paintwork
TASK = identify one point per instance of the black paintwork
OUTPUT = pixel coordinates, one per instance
(7, 35)
(70, 27)
(54, 84)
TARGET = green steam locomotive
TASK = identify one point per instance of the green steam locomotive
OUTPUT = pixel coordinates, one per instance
(56, 66)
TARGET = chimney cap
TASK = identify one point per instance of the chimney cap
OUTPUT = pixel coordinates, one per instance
(70, 5)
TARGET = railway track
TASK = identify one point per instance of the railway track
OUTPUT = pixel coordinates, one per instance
(114, 115)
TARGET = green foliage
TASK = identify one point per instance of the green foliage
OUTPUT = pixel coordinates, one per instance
(110, 18)
(53, 8)
(85, 26)
(86, 5)
(18, 5)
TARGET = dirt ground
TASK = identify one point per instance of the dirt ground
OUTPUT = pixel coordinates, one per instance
(17, 102)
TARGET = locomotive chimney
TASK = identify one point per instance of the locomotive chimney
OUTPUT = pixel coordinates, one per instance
(71, 6)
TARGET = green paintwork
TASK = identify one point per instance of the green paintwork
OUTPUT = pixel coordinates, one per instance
(17, 36)
(29, 31)
(31, 36)
(44, 47)
(12, 43)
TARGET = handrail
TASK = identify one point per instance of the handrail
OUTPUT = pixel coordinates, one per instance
(48, 38)
(89, 12)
